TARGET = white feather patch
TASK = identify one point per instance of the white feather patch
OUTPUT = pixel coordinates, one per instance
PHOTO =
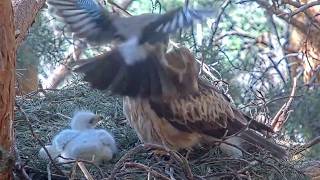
(180, 20)
(174, 23)
(166, 26)
(83, 23)
(76, 18)
(187, 14)
(159, 28)
(73, 12)
(132, 52)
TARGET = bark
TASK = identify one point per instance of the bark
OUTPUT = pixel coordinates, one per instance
(7, 83)
(25, 11)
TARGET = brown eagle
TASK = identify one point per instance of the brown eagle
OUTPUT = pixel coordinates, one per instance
(167, 104)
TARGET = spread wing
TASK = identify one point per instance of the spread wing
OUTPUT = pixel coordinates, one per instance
(110, 72)
(153, 76)
(172, 21)
(89, 20)
(86, 18)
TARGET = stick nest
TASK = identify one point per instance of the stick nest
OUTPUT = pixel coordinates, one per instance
(48, 113)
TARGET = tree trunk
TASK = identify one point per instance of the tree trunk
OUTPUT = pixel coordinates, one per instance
(7, 82)
(25, 11)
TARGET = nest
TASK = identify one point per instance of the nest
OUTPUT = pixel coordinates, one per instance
(43, 114)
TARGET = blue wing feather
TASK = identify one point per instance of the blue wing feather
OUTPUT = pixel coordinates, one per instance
(86, 18)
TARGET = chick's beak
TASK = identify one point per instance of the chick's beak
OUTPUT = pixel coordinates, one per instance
(98, 119)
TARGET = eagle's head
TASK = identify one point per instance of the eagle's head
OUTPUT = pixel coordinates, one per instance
(182, 71)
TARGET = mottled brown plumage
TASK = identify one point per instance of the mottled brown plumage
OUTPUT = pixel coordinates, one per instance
(185, 110)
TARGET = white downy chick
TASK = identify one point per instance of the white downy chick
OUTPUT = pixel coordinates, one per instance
(54, 153)
(95, 145)
(82, 141)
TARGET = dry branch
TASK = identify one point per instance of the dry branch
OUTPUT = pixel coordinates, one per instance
(145, 168)
(85, 171)
(60, 73)
(282, 115)
(300, 149)
(302, 26)
(35, 136)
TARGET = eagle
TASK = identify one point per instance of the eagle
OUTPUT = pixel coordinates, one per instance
(168, 104)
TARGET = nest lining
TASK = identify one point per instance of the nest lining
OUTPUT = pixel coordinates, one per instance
(49, 113)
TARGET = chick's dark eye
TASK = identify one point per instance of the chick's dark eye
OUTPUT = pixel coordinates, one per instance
(91, 121)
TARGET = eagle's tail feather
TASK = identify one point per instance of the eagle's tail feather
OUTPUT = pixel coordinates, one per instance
(260, 141)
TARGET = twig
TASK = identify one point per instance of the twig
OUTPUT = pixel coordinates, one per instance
(85, 171)
(145, 168)
(122, 160)
(48, 171)
(43, 174)
(282, 115)
(272, 166)
(220, 175)
(73, 171)
(18, 163)
(130, 153)
(301, 25)
(250, 165)
(119, 7)
(306, 146)
(218, 18)
(71, 161)
(20, 167)
(37, 138)
(186, 168)
(215, 160)
(59, 73)
(305, 7)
